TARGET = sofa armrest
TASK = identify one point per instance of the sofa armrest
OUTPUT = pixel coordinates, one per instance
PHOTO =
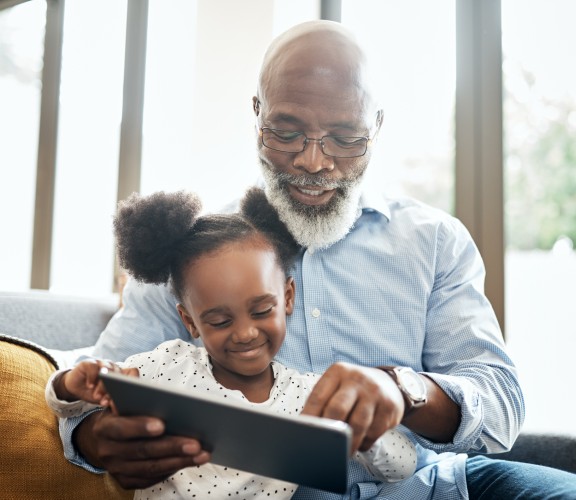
(548, 449)
(32, 464)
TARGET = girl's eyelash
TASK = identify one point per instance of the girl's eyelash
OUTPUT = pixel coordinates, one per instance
(262, 313)
(222, 323)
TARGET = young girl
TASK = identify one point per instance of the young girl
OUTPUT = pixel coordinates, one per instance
(230, 275)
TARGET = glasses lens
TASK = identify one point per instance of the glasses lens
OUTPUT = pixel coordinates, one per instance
(332, 145)
(345, 147)
(283, 140)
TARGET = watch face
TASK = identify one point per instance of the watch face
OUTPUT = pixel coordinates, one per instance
(413, 384)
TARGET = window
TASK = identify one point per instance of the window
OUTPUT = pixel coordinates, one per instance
(540, 170)
(21, 52)
(88, 143)
(413, 43)
(196, 91)
(201, 73)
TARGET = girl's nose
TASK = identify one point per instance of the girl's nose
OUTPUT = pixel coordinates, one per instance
(245, 334)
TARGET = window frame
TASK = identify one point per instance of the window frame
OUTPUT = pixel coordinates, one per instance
(478, 131)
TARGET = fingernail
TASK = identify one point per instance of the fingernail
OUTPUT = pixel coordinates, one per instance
(154, 426)
(190, 449)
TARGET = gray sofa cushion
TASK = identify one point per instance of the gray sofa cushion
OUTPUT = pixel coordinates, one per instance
(55, 321)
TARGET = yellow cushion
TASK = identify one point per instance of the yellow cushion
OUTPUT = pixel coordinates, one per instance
(32, 463)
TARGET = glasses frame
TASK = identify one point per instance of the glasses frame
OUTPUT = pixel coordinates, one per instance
(308, 140)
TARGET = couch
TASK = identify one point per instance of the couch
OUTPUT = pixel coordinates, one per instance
(40, 330)
(32, 465)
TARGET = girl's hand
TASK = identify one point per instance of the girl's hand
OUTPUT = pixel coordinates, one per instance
(83, 382)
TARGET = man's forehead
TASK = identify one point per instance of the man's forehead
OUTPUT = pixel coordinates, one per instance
(327, 106)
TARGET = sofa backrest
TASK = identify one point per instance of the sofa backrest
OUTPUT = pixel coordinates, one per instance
(55, 321)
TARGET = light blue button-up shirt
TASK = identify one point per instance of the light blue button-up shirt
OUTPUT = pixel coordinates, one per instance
(404, 287)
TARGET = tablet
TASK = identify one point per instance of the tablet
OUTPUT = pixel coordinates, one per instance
(306, 450)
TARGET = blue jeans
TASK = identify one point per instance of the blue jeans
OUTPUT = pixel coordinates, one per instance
(493, 479)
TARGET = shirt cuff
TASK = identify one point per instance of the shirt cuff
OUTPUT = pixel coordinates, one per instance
(67, 427)
(464, 393)
(61, 407)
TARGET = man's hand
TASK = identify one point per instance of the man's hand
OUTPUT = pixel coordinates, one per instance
(366, 398)
(134, 450)
(370, 401)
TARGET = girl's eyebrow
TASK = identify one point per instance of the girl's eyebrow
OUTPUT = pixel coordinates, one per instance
(224, 309)
(213, 310)
(262, 298)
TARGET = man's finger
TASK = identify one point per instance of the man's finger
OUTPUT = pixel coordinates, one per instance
(320, 395)
(119, 428)
(142, 474)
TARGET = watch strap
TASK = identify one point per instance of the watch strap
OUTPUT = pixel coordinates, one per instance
(410, 403)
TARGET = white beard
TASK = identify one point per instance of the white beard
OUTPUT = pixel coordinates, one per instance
(314, 227)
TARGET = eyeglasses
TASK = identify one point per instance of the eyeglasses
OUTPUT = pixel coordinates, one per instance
(338, 146)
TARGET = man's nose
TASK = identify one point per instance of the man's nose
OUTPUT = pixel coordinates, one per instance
(313, 159)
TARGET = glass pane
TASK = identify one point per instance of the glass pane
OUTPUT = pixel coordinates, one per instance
(540, 168)
(413, 43)
(201, 71)
(198, 122)
(169, 114)
(88, 146)
(21, 52)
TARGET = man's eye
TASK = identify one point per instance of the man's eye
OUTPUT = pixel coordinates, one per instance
(348, 141)
(286, 135)
(264, 312)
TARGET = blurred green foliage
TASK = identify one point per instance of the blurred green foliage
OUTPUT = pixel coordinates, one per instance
(540, 167)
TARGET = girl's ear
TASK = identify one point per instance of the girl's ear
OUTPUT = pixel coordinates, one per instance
(187, 320)
(289, 293)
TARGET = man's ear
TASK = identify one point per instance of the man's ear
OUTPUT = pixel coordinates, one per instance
(379, 120)
(289, 293)
(188, 321)
(256, 105)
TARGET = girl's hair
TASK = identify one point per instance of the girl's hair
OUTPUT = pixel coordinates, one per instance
(157, 236)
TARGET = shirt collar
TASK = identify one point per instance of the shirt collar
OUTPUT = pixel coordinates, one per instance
(372, 200)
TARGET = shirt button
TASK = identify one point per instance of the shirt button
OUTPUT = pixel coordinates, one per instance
(316, 312)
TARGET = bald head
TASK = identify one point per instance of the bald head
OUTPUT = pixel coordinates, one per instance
(314, 85)
(324, 52)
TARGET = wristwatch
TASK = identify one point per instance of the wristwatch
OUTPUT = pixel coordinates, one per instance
(411, 386)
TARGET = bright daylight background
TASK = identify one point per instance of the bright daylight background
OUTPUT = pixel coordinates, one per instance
(199, 134)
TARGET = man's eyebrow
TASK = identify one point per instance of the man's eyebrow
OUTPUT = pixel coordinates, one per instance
(291, 119)
(284, 117)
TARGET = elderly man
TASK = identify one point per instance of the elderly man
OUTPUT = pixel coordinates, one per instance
(390, 304)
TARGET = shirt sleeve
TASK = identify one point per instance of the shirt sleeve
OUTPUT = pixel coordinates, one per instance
(61, 407)
(67, 427)
(391, 458)
(147, 318)
(464, 351)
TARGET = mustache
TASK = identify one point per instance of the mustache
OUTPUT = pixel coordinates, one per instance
(307, 180)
